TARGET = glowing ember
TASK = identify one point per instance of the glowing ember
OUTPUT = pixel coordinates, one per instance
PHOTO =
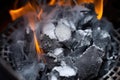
(85, 1)
(38, 49)
(61, 2)
(37, 45)
(39, 14)
(31, 21)
(52, 2)
(24, 10)
(21, 11)
(29, 8)
(98, 6)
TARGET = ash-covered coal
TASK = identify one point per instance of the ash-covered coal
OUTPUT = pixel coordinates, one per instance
(76, 45)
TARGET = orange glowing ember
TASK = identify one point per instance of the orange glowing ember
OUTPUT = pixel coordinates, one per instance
(98, 6)
(38, 49)
(31, 21)
(64, 2)
(39, 14)
(60, 2)
(85, 1)
(21, 11)
(52, 2)
(29, 8)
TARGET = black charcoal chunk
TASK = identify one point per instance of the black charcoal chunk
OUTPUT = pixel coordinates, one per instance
(28, 39)
(48, 44)
(70, 78)
(89, 63)
(83, 37)
(50, 62)
(101, 38)
(78, 51)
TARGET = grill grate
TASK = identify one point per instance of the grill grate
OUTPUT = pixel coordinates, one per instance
(114, 73)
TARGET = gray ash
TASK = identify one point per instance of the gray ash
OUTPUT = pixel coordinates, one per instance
(76, 45)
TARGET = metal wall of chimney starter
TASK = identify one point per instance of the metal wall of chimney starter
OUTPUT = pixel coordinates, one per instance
(6, 73)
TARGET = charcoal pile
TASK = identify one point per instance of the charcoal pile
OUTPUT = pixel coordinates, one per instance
(76, 46)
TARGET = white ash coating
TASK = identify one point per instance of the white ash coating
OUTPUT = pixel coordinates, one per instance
(88, 19)
(105, 34)
(48, 29)
(62, 32)
(58, 51)
(68, 23)
(53, 77)
(82, 32)
(65, 71)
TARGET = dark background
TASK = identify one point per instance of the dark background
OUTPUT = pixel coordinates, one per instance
(111, 11)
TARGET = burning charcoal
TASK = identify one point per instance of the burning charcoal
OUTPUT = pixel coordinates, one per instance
(28, 40)
(68, 45)
(50, 62)
(62, 32)
(101, 38)
(48, 29)
(65, 71)
(89, 63)
(82, 38)
(78, 51)
(69, 24)
(86, 19)
(57, 54)
(78, 13)
(58, 51)
(49, 44)
(28, 34)
(73, 41)
(79, 38)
